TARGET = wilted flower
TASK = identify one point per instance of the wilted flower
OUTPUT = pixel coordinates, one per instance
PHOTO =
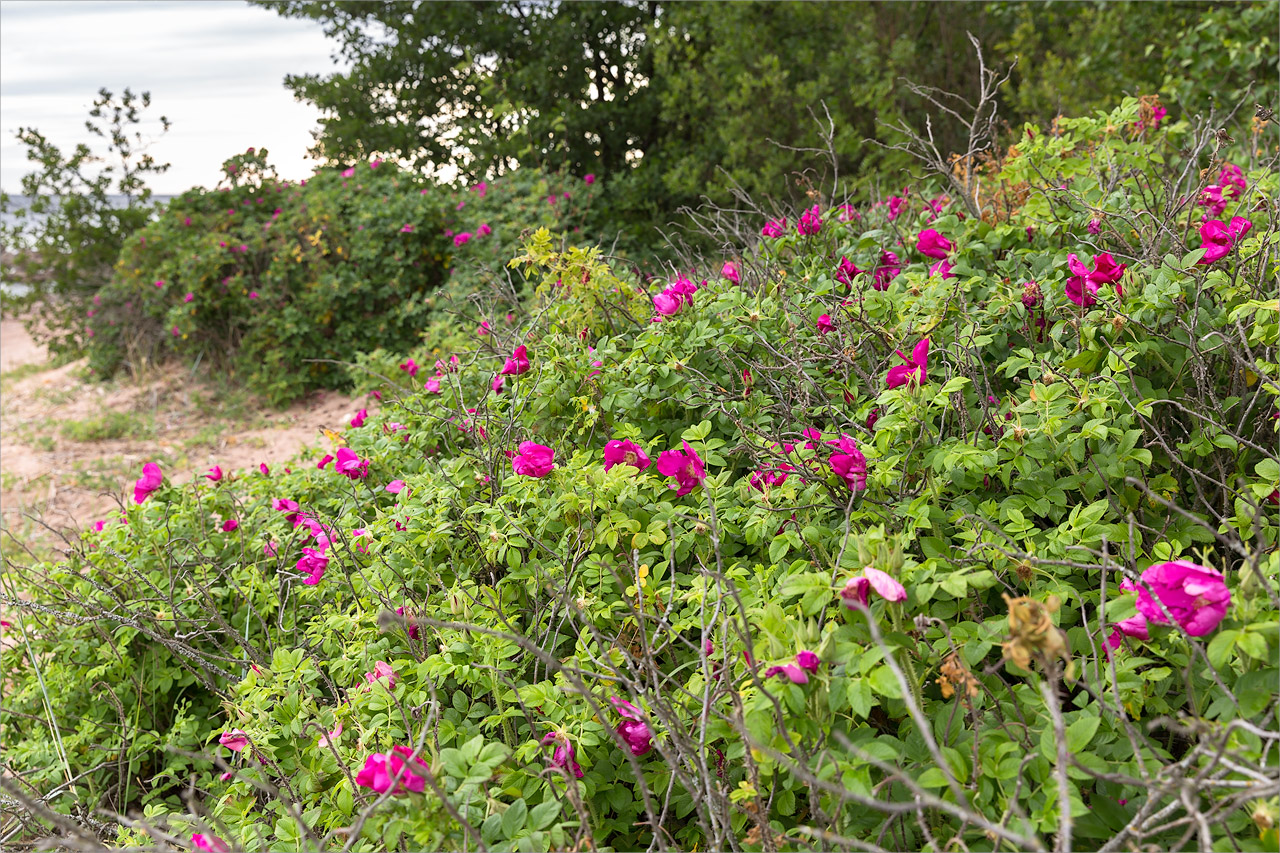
(625, 452)
(633, 729)
(562, 757)
(358, 420)
(1032, 634)
(391, 772)
(533, 460)
(152, 478)
(686, 467)
(1095, 226)
(1031, 295)
(1196, 596)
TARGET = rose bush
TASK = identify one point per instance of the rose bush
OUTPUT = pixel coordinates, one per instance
(850, 598)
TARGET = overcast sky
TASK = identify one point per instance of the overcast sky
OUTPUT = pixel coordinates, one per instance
(215, 68)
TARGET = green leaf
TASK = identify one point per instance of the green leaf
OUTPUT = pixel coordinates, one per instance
(513, 818)
(1220, 647)
(1080, 732)
(1254, 645)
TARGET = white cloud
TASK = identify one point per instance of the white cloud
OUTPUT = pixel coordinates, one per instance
(215, 69)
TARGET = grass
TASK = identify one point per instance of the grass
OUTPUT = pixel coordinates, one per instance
(108, 426)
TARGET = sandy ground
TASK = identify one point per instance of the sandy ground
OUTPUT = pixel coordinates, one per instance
(68, 484)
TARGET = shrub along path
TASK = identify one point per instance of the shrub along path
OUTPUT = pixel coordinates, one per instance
(70, 447)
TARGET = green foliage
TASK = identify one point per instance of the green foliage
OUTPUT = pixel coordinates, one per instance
(1050, 452)
(78, 215)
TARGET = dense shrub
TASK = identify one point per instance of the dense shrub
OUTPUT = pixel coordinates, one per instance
(284, 284)
(893, 603)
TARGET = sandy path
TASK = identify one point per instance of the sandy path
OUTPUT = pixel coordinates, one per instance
(16, 346)
(180, 422)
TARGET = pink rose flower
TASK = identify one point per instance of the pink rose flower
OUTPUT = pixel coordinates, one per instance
(1196, 596)
(625, 452)
(931, 244)
(633, 729)
(518, 363)
(391, 772)
(150, 481)
(533, 460)
(687, 467)
(214, 473)
(209, 843)
(562, 757)
(913, 370)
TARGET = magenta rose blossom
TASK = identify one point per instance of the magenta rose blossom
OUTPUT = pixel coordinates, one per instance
(151, 479)
(856, 592)
(349, 463)
(848, 269)
(234, 740)
(824, 324)
(943, 269)
(667, 303)
(808, 661)
(931, 244)
(886, 272)
(562, 757)
(633, 729)
(685, 466)
(215, 473)
(518, 363)
(794, 673)
(312, 563)
(391, 772)
(913, 370)
(810, 222)
(625, 452)
(1196, 596)
(1218, 239)
(209, 843)
(774, 228)
(1135, 626)
(533, 460)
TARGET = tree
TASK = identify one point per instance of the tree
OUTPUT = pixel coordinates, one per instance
(64, 242)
